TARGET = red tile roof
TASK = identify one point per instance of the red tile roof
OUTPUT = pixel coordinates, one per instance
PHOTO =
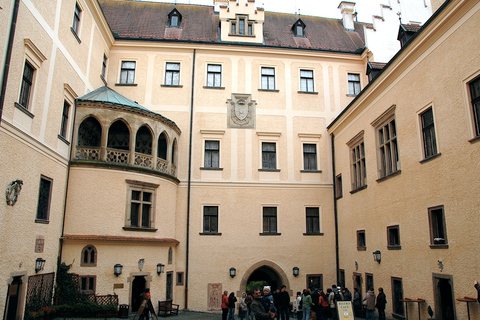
(143, 20)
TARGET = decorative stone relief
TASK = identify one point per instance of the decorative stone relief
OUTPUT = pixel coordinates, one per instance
(214, 296)
(141, 264)
(241, 111)
(13, 191)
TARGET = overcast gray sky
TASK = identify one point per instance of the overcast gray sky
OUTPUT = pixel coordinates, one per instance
(321, 8)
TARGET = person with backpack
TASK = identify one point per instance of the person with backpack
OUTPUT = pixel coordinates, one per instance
(297, 303)
(334, 296)
(324, 305)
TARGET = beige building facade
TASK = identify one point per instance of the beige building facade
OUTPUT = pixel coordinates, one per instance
(185, 149)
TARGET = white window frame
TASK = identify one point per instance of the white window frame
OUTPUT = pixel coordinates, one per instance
(268, 78)
(173, 84)
(214, 73)
(353, 92)
(121, 69)
(312, 79)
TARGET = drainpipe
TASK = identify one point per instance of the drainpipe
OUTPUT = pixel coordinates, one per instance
(6, 66)
(189, 179)
(337, 259)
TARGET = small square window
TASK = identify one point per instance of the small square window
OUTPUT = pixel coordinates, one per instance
(361, 240)
(393, 237)
(353, 84)
(87, 284)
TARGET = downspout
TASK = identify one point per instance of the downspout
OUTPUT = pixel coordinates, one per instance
(189, 179)
(8, 56)
(337, 258)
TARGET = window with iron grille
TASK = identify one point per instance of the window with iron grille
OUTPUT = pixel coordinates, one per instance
(44, 199)
(269, 220)
(172, 74)
(428, 131)
(210, 219)
(313, 220)
(27, 83)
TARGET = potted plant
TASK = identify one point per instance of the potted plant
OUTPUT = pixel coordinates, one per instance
(430, 313)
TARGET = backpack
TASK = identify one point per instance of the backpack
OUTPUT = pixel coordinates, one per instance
(337, 296)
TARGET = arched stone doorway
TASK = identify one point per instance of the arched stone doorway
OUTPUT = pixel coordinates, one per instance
(267, 271)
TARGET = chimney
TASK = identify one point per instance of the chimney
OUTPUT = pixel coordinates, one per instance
(348, 10)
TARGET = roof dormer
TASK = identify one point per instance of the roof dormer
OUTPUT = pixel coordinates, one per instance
(240, 21)
(406, 32)
(174, 19)
(298, 28)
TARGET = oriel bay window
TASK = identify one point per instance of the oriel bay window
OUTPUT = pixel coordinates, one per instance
(141, 206)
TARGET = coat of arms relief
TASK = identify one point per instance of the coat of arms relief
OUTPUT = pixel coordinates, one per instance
(241, 111)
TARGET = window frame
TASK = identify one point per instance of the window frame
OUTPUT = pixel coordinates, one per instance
(358, 165)
(393, 244)
(338, 186)
(25, 95)
(270, 78)
(127, 71)
(396, 303)
(87, 278)
(429, 136)
(313, 163)
(269, 157)
(354, 85)
(437, 228)
(361, 240)
(171, 73)
(64, 123)
(179, 278)
(77, 18)
(237, 30)
(142, 187)
(269, 220)
(214, 74)
(91, 250)
(210, 231)
(209, 155)
(44, 218)
(314, 221)
(308, 81)
(474, 106)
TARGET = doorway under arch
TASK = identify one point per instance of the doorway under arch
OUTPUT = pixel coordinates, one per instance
(266, 271)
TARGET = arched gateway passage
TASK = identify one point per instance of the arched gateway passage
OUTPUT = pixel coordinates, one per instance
(265, 271)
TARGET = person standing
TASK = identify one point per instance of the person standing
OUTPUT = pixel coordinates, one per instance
(231, 306)
(267, 300)
(283, 303)
(258, 309)
(224, 305)
(298, 305)
(315, 306)
(242, 306)
(357, 303)
(306, 304)
(370, 298)
(381, 301)
(146, 299)
(333, 297)
(324, 306)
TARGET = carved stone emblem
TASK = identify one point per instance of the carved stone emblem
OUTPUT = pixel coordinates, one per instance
(241, 111)
(141, 264)
(13, 191)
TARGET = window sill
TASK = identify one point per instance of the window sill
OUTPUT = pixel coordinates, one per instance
(139, 229)
(210, 233)
(473, 140)
(394, 247)
(172, 85)
(315, 171)
(24, 110)
(339, 197)
(270, 234)
(64, 140)
(351, 95)
(358, 189)
(76, 35)
(241, 35)
(308, 92)
(42, 221)
(126, 84)
(88, 265)
(211, 168)
(389, 176)
(269, 90)
(361, 248)
(313, 234)
(218, 88)
(269, 170)
(430, 158)
(439, 246)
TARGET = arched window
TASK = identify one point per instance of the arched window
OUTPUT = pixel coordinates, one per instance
(89, 256)
(119, 136)
(143, 141)
(162, 146)
(89, 133)
(170, 255)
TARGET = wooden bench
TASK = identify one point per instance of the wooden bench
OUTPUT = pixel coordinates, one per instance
(166, 308)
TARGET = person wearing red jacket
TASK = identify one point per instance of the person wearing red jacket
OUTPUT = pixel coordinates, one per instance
(224, 305)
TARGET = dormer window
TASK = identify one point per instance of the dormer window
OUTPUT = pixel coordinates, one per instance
(299, 28)
(241, 26)
(174, 19)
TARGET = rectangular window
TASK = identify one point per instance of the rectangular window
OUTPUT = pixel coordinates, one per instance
(104, 67)
(27, 83)
(397, 295)
(250, 29)
(210, 219)
(315, 281)
(64, 124)
(44, 199)
(353, 84)
(428, 131)
(140, 208)
(268, 78)
(214, 75)
(241, 26)
(338, 187)
(127, 72)
(361, 240)
(180, 278)
(438, 230)
(388, 149)
(359, 172)
(76, 18)
(309, 156)
(368, 281)
(269, 155)
(234, 28)
(87, 284)
(269, 220)
(172, 74)
(313, 220)
(306, 80)
(393, 237)
(475, 96)
(212, 154)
